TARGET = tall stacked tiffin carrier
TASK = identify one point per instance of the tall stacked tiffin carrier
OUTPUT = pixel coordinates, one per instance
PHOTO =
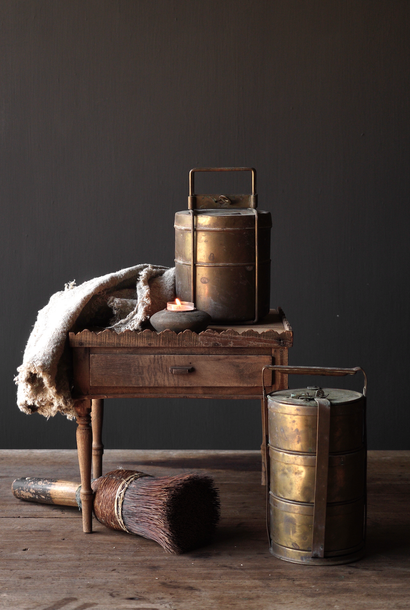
(222, 253)
(316, 470)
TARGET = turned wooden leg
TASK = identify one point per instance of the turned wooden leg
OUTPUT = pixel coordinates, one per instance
(84, 441)
(97, 414)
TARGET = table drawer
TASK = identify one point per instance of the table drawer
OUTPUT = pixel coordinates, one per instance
(149, 370)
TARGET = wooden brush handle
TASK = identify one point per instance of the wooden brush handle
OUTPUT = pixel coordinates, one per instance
(46, 491)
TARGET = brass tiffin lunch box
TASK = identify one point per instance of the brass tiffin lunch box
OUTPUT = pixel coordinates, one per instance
(222, 253)
(316, 470)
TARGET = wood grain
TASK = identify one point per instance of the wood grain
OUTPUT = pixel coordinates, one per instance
(273, 331)
(45, 544)
(156, 370)
(168, 364)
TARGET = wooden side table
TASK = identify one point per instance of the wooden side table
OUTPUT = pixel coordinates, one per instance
(220, 362)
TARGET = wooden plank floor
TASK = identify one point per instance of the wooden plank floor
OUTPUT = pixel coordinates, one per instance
(47, 563)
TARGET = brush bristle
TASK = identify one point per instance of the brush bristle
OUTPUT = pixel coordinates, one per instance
(180, 513)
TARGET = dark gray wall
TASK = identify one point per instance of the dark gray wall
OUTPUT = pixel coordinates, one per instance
(107, 104)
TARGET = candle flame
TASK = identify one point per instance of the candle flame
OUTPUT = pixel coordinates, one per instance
(177, 301)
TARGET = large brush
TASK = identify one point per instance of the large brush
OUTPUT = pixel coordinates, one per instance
(178, 512)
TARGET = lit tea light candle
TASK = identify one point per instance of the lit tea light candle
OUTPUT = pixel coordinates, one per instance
(178, 305)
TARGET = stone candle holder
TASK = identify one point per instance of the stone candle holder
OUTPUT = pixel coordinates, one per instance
(180, 316)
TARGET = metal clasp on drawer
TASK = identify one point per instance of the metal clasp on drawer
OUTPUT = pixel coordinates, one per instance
(181, 370)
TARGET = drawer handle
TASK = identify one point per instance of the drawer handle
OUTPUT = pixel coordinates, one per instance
(181, 370)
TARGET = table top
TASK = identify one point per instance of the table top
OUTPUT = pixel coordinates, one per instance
(274, 330)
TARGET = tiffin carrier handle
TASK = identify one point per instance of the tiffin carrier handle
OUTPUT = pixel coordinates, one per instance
(313, 370)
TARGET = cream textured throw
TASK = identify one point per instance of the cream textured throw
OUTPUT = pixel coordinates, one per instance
(121, 301)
